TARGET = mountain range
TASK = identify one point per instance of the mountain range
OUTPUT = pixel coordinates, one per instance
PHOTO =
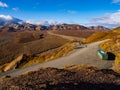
(16, 24)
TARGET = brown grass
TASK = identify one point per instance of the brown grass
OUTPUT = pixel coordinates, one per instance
(101, 36)
(77, 33)
(47, 56)
(27, 43)
(28, 60)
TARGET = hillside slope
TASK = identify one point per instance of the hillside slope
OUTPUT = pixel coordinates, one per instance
(102, 36)
(70, 78)
(112, 46)
(30, 43)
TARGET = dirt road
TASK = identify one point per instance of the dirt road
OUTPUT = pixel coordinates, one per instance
(71, 38)
(84, 56)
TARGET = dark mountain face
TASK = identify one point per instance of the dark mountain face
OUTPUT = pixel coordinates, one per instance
(98, 28)
(67, 27)
(75, 27)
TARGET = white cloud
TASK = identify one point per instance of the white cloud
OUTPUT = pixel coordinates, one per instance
(112, 19)
(15, 9)
(116, 1)
(3, 4)
(6, 17)
(44, 22)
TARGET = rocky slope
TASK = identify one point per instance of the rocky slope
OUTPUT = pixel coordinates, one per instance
(70, 78)
(67, 27)
(11, 27)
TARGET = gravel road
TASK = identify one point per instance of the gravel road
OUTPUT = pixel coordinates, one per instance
(84, 56)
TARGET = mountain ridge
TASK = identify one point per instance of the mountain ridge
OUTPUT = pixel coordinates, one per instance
(13, 23)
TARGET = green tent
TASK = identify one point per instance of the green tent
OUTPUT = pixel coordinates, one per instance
(102, 55)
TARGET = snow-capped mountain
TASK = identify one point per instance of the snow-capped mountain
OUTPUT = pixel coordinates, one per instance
(8, 19)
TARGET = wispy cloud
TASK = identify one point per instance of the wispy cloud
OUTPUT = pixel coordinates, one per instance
(15, 9)
(115, 1)
(44, 22)
(112, 19)
(6, 17)
(2, 4)
(72, 11)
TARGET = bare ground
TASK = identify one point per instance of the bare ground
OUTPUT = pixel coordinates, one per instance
(73, 78)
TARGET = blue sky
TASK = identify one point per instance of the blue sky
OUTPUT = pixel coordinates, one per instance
(85, 12)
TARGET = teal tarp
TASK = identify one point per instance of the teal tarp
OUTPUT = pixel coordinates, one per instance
(102, 55)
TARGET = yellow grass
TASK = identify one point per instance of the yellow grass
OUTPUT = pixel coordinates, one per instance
(50, 55)
(12, 64)
(28, 60)
(101, 36)
(114, 47)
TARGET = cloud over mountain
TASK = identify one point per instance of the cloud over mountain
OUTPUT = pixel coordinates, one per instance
(112, 19)
(44, 22)
(6, 19)
(116, 1)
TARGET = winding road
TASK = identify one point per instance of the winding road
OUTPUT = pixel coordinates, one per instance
(83, 56)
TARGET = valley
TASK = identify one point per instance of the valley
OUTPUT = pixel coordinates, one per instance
(59, 45)
(29, 49)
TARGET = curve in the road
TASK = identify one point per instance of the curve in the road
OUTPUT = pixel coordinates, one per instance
(84, 56)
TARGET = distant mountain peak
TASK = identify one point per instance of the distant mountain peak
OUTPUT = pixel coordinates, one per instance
(98, 28)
